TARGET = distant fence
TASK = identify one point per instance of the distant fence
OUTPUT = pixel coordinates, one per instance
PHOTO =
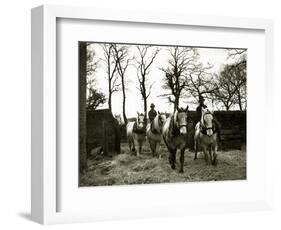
(104, 132)
(233, 128)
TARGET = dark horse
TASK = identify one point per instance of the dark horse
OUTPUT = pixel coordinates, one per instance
(175, 135)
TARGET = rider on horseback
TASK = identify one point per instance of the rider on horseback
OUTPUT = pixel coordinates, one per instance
(200, 106)
(199, 114)
(151, 115)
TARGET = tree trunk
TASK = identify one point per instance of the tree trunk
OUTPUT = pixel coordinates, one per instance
(239, 101)
(124, 101)
(227, 107)
(176, 104)
(82, 105)
(109, 84)
(109, 95)
(145, 109)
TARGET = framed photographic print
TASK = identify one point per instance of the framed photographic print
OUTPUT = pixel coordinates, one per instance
(137, 114)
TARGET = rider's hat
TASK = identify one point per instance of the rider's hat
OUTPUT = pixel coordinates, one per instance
(152, 105)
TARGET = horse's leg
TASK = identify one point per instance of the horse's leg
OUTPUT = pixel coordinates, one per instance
(135, 146)
(172, 158)
(182, 160)
(205, 154)
(195, 148)
(140, 147)
(153, 148)
(130, 144)
(215, 161)
(157, 149)
(210, 154)
(140, 143)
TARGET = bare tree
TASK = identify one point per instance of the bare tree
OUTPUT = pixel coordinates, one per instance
(121, 57)
(111, 69)
(200, 81)
(231, 86)
(238, 70)
(225, 91)
(239, 55)
(232, 81)
(95, 99)
(182, 61)
(143, 64)
(238, 80)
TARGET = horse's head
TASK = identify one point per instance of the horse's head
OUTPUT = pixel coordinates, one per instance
(161, 119)
(140, 120)
(207, 121)
(180, 117)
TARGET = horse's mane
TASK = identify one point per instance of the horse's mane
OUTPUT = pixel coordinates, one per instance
(156, 123)
(173, 130)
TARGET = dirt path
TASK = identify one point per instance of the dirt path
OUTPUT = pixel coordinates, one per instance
(126, 168)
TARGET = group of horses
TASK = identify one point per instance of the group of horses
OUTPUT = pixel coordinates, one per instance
(173, 131)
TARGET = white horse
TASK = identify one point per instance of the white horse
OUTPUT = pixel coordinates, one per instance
(206, 137)
(136, 133)
(175, 135)
(154, 133)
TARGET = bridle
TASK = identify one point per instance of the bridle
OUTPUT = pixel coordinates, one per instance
(178, 125)
(138, 121)
(202, 123)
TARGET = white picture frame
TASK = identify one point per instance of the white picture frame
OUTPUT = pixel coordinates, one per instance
(45, 182)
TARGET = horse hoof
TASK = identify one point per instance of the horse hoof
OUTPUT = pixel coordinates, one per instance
(173, 167)
(181, 171)
(214, 163)
(195, 158)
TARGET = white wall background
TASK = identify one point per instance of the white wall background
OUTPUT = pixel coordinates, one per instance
(15, 112)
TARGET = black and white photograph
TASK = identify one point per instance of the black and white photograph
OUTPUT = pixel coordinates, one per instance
(152, 114)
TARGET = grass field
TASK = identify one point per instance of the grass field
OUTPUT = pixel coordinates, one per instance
(126, 168)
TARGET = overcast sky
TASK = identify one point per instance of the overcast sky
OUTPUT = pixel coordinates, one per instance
(217, 57)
